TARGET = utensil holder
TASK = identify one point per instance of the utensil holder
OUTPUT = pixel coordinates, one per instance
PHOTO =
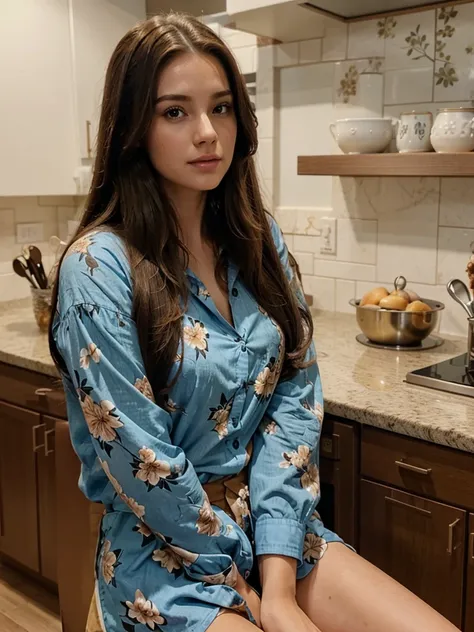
(42, 307)
(470, 345)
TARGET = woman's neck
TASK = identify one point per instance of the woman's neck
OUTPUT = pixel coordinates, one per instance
(189, 206)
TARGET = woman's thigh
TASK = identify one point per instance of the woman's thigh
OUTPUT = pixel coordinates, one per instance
(345, 592)
(231, 622)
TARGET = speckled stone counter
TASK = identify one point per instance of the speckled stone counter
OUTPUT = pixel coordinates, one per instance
(21, 342)
(363, 384)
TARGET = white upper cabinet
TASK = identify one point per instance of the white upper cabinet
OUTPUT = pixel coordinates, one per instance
(37, 145)
(97, 27)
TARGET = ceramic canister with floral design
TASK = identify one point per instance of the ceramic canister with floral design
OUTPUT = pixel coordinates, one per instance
(453, 130)
(414, 131)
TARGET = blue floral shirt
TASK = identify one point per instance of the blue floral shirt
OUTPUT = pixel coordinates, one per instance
(149, 459)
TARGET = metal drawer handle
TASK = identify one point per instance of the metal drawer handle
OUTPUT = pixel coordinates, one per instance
(451, 528)
(47, 434)
(36, 445)
(425, 512)
(43, 392)
(471, 546)
(413, 468)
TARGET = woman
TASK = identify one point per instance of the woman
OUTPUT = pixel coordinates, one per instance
(193, 394)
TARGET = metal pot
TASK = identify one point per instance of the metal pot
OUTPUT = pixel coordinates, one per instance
(391, 327)
(394, 327)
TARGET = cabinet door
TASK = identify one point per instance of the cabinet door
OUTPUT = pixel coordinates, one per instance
(37, 125)
(98, 26)
(420, 543)
(20, 429)
(469, 621)
(47, 502)
(339, 471)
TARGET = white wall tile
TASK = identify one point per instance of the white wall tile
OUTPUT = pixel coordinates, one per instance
(306, 111)
(265, 111)
(305, 261)
(266, 69)
(357, 240)
(342, 270)
(407, 211)
(454, 250)
(306, 243)
(246, 58)
(286, 219)
(345, 291)
(408, 85)
(364, 41)
(289, 241)
(353, 197)
(454, 80)
(457, 202)
(323, 292)
(286, 54)
(265, 158)
(408, 249)
(335, 41)
(397, 49)
(310, 51)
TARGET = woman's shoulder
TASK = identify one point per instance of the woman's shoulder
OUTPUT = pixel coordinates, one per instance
(96, 271)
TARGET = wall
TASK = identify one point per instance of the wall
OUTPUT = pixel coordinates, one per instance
(52, 212)
(201, 7)
(419, 227)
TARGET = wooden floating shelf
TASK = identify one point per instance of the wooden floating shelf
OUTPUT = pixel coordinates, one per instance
(388, 165)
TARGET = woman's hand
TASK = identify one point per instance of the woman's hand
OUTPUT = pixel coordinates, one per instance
(251, 597)
(284, 614)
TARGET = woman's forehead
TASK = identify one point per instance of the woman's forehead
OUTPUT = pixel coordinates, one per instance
(192, 74)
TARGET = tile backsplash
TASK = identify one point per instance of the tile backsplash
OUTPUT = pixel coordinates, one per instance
(419, 227)
(53, 213)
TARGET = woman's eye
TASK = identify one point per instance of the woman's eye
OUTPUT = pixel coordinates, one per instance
(223, 108)
(174, 113)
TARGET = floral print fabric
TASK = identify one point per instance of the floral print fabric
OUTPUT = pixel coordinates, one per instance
(167, 558)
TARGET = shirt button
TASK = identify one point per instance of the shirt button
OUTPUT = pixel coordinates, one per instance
(235, 444)
(235, 292)
(244, 348)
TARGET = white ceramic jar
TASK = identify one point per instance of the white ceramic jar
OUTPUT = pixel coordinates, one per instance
(414, 131)
(453, 130)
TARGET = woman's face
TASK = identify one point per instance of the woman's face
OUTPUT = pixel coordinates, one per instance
(192, 136)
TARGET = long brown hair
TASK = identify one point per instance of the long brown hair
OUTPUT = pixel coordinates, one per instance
(127, 197)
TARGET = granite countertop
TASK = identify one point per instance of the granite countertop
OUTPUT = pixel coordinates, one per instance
(360, 383)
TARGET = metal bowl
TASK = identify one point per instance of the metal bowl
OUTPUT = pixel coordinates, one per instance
(392, 327)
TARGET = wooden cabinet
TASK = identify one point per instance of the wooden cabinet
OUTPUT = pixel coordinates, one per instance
(38, 148)
(98, 26)
(19, 537)
(418, 542)
(339, 472)
(27, 469)
(469, 619)
(46, 490)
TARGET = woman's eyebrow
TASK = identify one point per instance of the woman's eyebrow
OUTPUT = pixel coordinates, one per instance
(184, 97)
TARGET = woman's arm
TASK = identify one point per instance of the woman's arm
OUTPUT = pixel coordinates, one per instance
(284, 475)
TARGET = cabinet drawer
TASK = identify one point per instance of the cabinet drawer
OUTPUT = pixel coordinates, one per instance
(417, 466)
(35, 391)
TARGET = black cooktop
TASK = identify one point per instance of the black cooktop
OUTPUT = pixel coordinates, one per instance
(450, 375)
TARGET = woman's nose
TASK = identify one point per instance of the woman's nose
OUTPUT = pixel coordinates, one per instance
(205, 132)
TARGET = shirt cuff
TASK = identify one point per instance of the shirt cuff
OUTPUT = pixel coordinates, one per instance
(279, 536)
